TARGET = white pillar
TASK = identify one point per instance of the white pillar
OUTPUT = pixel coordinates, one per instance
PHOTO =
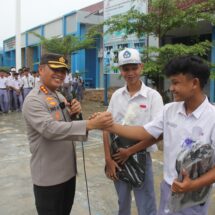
(18, 35)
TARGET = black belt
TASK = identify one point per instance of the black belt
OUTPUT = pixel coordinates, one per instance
(27, 88)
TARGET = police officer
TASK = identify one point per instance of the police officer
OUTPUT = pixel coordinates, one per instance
(51, 131)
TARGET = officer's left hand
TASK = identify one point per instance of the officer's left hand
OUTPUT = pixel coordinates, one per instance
(122, 155)
(184, 186)
(75, 107)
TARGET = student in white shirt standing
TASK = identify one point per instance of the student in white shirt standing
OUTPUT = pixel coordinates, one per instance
(67, 86)
(10, 77)
(191, 111)
(17, 85)
(28, 82)
(4, 99)
(36, 78)
(147, 103)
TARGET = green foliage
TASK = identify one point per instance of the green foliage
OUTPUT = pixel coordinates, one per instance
(164, 15)
(4, 68)
(65, 45)
(95, 31)
(156, 58)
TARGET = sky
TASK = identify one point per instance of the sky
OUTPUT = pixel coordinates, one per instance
(34, 13)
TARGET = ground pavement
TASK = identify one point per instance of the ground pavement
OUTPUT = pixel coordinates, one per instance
(16, 197)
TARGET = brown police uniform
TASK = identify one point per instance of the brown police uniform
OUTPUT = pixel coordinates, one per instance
(51, 139)
(51, 133)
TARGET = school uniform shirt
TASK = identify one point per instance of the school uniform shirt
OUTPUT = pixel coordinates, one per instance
(144, 106)
(28, 82)
(68, 79)
(10, 80)
(51, 134)
(3, 82)
(36, 81)
(16, 83)
(177, 126)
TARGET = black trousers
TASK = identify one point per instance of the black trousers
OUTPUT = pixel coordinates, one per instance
(55, 200)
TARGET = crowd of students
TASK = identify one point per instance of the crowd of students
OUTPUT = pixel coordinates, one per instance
(15, 86)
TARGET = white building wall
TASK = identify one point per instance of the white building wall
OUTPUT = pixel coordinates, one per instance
(71, 23)
(116, 80)
(32, 39)
(23, 40)
(88, 18)
(54, 28)
(9, 44)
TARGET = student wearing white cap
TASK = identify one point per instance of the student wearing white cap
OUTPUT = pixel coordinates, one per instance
(148, 103)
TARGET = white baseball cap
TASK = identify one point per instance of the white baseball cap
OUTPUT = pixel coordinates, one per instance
(129, 56)
(13, 69)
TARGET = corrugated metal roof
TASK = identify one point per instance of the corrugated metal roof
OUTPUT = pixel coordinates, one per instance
(94, 7)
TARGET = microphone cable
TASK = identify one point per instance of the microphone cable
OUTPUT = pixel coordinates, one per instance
(80, 117)
(85, 172)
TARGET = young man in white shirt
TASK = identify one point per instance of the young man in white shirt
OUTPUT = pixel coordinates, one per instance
(16, 85)
(4, 99)
(28, 82)
(191, 111)
(36, 77)
(146, 103)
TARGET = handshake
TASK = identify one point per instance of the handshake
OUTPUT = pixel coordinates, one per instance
(100, 120)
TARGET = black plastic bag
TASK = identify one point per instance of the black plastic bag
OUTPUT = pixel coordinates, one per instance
(133, 170)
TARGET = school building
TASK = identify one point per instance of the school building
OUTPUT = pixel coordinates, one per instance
(89, 62)
(75, 23)
(1, 58)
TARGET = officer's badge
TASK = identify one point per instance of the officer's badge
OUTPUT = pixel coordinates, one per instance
(127, 54)
(52, 103)
(43, 89)
(49, 98)
(62, 60)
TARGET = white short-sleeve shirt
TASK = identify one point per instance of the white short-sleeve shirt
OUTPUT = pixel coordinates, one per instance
(3, 82)
(177, 126)
(146, 104)
(28, 81)
(17, 83)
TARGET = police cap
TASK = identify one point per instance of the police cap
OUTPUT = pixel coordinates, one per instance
(54, 61)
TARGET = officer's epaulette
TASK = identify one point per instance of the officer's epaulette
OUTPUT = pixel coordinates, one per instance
(43, 89)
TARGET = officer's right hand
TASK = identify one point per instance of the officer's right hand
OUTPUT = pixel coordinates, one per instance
(100, 120)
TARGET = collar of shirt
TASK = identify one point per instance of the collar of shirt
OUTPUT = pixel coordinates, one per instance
(142, 92)
(197, 112)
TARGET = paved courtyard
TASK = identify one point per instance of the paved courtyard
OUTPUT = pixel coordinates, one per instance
(16, 196)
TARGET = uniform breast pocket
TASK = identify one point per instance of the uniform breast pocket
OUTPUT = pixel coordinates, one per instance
(171, 124)
(142, 115)
(56, 113)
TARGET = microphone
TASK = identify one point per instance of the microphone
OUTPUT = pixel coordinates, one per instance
(80, 116)
(62, 105)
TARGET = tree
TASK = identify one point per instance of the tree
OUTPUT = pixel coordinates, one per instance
(66, 45)
(164, 16)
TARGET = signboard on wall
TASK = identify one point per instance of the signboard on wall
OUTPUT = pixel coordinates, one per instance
(10, 44)
(115, 42)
